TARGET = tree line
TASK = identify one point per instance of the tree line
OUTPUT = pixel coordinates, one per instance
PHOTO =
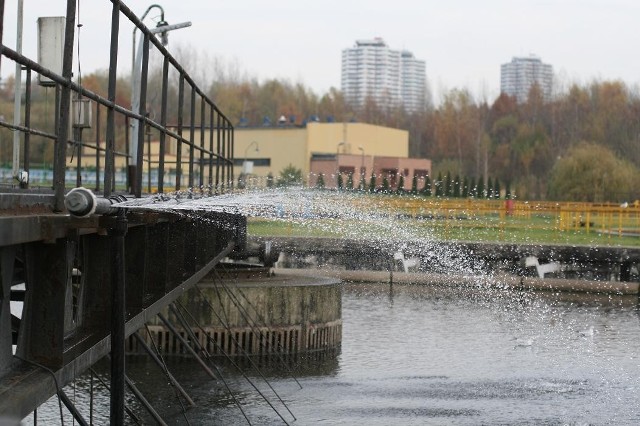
(583, 144)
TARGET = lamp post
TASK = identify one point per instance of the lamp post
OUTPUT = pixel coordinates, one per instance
(247, 166)
(161, 28)
(362, 170)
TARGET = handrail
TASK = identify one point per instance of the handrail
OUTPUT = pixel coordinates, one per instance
(209, 166)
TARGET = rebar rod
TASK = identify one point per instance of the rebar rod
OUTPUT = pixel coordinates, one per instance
(206, 354)
(155, 358)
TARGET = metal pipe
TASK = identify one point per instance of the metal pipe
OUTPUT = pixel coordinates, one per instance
(82, 202)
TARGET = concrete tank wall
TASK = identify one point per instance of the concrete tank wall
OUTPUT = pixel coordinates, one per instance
(284, 314)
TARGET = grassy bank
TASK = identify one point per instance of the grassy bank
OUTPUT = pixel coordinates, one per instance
(538, 230)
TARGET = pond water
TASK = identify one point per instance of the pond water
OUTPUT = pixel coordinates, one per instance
(416, 355)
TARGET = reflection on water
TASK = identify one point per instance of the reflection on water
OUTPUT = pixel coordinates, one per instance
(421, 355)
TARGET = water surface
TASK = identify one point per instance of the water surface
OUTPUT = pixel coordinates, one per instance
(417, 355)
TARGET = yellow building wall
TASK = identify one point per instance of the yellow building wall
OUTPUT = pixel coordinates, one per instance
(374, 140)
(283, 146)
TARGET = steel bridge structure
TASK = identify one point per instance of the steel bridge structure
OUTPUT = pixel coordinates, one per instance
(88, 280)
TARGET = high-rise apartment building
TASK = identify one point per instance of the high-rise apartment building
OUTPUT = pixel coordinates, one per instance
(517, 77)
(371, 69)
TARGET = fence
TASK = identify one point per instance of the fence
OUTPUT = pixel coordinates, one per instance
(603, 218)
(106, 148)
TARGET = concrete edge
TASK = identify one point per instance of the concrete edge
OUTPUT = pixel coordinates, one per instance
(504, 281)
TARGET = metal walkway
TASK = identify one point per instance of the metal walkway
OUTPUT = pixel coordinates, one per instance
(88, 281)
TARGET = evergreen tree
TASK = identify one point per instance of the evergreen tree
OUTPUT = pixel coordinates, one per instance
(385, 184)
(489, 188)
(507, 193)
(339, 182)
(465, 187)
(400, 188)
(448, 187)
(414, 184)
(480, 188)
(456, 187)
(496, 189)
(362, 184)
(372, 183)
(350, 181)
(426, 189)
(320, 181)
(438, 185)
(289, 176)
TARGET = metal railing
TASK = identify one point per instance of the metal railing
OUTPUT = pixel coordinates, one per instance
(196, 151)
(589, 218)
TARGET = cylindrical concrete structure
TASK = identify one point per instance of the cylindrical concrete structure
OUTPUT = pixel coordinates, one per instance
(284, 314)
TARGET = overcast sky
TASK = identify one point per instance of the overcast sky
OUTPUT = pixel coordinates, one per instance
(462, 41)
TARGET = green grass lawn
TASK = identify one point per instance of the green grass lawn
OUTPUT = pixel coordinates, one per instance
(535, 230)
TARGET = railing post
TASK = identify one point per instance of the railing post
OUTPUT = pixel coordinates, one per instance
(202, 128)
(98, 147)
(180, 124)
(65, 103)
(109, 165)
(27, 123)
(163, 122)
(192, 129)
(137, 173)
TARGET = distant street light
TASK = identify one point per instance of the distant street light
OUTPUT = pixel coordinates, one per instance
(247, 166)
(362, 170)
(161, 28)
(338, 147)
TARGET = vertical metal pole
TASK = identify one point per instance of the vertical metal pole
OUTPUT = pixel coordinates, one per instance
(17, 99)
(77, 138)
(180, 118)
(118, 312)
(1, 22)
(137, 181)
(202, 127)
(113, 68)
(27, 124)
(231, 153)
(60, 156)
(223, 154)
(192, 130)
(148, 159)
(130, 175)
(218, 152)
(211, 127)
(98, 147)
(163, 123)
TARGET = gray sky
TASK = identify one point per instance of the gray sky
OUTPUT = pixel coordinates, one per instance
(463, 41)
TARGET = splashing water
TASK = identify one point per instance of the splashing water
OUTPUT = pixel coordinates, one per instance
(347, 215)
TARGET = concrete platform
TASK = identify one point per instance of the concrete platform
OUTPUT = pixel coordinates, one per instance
(504, 280)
